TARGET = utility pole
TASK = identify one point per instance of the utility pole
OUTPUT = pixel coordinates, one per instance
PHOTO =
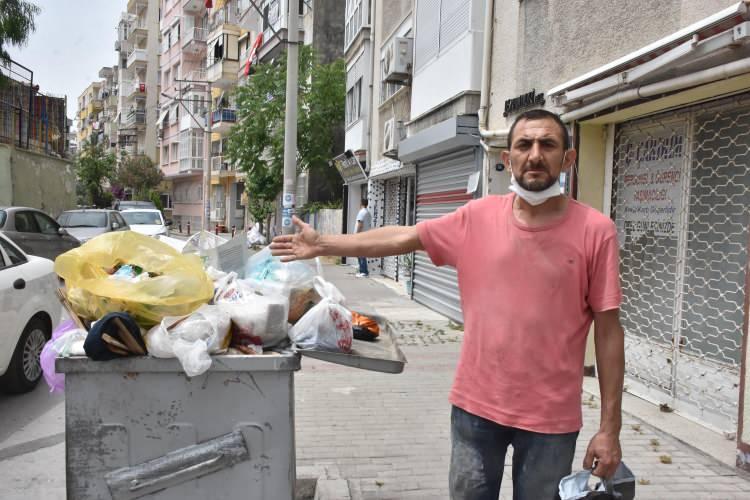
(290, 123)
(207, 164)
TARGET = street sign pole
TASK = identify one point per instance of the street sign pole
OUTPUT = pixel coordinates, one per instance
(290, 129)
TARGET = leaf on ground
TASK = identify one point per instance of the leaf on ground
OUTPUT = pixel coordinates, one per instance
(379, 483)
(654, 442)
(644, 482)
(636, 427)
(665, 459)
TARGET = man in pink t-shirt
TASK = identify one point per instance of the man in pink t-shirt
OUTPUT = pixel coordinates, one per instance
(535, 268)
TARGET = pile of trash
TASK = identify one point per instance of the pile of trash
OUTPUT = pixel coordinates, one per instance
(133, 295)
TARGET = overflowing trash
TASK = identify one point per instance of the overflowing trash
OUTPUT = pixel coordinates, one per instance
(133, 295)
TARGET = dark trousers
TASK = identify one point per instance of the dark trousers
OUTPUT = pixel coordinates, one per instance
(478, 450)
(363, 265)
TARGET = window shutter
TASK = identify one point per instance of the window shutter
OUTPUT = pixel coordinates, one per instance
(427, 40)
(454, 20)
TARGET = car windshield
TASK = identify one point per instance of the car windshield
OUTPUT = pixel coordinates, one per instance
(83, 219)
(3, 216)
(136, 217)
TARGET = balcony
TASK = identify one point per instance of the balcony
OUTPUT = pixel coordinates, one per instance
(222, 73)
(94, 106)
(194, 41)
(191, 165)
(136, 118)
(220, 167)
(131, 89)
(193, 6)
(136, 6)
(137, 59)
(223, 119)
(137, 30)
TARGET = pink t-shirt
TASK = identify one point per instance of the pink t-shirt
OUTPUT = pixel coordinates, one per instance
(528, 297)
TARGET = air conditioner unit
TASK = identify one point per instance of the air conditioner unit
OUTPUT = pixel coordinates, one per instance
(397, 61)
(391, 137)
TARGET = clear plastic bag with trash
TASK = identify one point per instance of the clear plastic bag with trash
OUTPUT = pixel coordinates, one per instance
(295, 280)
(328, 325)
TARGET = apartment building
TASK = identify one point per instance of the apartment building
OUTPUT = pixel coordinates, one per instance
(183, 107)
(137, 45)
(109, 96)
(90, 105)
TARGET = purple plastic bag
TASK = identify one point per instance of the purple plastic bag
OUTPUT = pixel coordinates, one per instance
(55, 381)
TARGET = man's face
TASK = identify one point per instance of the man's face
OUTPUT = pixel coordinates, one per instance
(537, 154)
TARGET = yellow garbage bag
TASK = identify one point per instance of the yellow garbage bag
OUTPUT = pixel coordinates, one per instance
(177, 284)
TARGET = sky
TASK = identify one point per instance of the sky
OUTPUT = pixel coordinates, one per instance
(73, 40)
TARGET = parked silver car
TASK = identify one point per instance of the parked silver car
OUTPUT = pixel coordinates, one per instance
(35, 232)
(86, 223)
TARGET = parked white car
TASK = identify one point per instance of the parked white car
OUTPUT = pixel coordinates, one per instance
(29, 309)
(146, 221)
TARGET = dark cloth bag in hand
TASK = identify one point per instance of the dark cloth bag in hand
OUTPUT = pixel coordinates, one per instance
(621, 486)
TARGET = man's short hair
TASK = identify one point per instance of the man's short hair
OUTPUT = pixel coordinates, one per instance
(541, 114)
(364, 202)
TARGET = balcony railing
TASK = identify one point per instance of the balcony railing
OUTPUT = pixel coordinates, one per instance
(137, 56)
(224, 115)
(187, 164)
(135, 118)
(218, 163)
(194, 35)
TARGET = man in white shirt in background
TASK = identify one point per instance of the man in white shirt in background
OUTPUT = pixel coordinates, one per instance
(364, 223)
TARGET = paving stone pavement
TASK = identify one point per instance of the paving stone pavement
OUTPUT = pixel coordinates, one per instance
(389, 435)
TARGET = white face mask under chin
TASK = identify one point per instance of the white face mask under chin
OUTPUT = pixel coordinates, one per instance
(534, 197)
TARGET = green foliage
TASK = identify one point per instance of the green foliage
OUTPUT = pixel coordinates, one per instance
(16, 23)
(95, 169)
(155, 197)
(317, 206)
(256, 143)
(140, 174)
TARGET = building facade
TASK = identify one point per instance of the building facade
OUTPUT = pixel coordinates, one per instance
(137, 47)
(660, 117)
(89, 107)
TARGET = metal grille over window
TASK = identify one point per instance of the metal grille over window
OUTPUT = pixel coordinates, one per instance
(681, 202)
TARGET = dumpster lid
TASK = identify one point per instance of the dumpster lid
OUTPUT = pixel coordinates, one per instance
(381, 355)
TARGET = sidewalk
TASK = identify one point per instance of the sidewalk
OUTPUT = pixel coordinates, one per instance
(389, 435)
(381, 436)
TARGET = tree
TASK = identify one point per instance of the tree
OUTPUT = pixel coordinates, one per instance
(140, 174)
(95, 170)
(256, 143)
(16, 23)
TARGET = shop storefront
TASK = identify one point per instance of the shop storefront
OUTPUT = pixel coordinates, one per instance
(448, 160)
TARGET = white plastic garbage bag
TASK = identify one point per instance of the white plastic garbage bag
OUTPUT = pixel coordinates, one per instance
(254, 236)
(328, 325)
(621, 486)
(191, 338)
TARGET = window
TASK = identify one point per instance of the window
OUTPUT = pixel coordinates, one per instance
(25, 223)
(353, 102)
(46, 224)
(439, 23)
(355, 16)
(174, 150)
(165, 42)
(3, 216)
(83, 219)
(164, 155)
(240, 187)
(166, 79)
(15, 256)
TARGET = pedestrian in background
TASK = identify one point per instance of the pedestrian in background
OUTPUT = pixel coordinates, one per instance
(364, 223)
(535, 269)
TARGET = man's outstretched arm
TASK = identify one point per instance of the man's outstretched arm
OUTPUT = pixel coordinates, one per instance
(381, 242)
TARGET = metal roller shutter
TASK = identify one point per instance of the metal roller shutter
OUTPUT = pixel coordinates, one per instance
(441, 189)
(681, 202)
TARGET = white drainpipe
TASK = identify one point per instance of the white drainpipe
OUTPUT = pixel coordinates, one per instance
(484, 97)
(681, 82)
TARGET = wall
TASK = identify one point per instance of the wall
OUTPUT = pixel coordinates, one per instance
(539, 44)
(35, 180)
(328, 30)
(327, 221)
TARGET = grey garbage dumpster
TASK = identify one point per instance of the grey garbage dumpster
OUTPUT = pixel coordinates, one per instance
(139, 427)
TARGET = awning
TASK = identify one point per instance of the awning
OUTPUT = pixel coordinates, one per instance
(387, 168)
(349, 168)
(163, 115)
(706, 28)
